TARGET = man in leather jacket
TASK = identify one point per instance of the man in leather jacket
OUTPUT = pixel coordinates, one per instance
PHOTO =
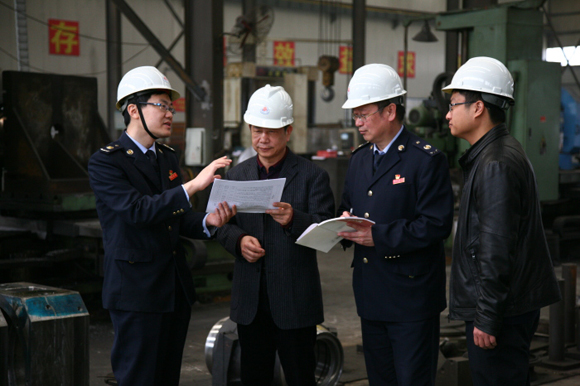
(502, 273)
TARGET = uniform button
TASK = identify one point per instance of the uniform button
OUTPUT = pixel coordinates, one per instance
(365, 260)
(411, 277)
(131, 262)
(169, 228)
(182, 210)
(174, 213)
(366, 215)
(370, 193)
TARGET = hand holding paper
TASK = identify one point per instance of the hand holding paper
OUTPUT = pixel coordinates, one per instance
(327, 234)
(362, 235)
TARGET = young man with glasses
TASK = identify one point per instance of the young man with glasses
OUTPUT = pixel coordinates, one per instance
(403, 184)
(144, 208)
(501, 274)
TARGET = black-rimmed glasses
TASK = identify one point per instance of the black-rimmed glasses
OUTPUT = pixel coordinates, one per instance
(162, 106)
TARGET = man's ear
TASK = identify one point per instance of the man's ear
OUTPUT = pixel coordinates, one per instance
(392, 112)
(479, 108)
(133, 112)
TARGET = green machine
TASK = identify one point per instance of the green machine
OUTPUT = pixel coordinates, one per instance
(511, 33)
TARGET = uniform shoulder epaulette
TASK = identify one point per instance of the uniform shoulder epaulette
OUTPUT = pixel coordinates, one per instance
(360, 147)
(426, 147)
(167, 147)
(112, 147)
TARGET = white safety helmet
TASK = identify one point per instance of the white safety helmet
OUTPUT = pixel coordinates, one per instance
(142, 79)
(269, 107)
(488, 76)
(373, 83)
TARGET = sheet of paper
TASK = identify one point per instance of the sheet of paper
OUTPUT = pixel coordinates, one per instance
(249, 196)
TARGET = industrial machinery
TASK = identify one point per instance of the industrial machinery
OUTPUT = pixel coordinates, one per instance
(534, 121)
(44, 336)
(50, 233)
(570, 146)
(222, 356)
(50, 128)
(498, 32)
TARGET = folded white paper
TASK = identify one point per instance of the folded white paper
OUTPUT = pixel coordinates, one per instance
(323, 236)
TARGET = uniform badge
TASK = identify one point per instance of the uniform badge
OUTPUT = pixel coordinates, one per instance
(130, 152)
(172, 175)
(398, 179)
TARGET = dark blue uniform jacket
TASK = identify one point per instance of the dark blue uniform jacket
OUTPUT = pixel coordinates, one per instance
(401, 278)
(142, 214)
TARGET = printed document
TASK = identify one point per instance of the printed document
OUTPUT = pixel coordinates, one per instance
(323, 236)
(248, 196)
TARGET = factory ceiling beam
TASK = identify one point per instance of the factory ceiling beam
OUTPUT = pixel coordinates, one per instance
(191, 85)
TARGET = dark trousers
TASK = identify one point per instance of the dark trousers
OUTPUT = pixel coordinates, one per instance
(401, 353)
(259, 341)
(509, 362)
(148, 347)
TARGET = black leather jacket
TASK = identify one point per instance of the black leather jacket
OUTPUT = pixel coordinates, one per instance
(501, 264)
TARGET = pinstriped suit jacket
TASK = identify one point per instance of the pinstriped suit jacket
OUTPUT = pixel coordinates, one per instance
(291, 270)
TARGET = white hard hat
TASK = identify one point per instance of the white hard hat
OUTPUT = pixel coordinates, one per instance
(269, 107)
(142, 79)
(373, 83)
(485, 75)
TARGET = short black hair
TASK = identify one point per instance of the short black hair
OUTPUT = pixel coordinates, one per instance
(141, 97)
(398, 103)
(496, 114)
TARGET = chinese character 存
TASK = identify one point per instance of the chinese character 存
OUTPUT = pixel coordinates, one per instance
(64, 37)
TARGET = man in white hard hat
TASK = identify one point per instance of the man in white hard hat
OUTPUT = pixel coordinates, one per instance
(402, 183)
(276, 292)
(144, 208)
(501, 274)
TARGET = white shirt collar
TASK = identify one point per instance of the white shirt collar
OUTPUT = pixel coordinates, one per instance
(381, 152)
(141, 147)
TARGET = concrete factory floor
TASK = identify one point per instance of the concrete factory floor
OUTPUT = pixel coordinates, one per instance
(340, 313)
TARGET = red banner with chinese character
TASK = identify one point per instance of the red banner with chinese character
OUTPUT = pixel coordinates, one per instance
(179, 104)
(345, 58)
(284, 53)
(410, 64)
(63, 37)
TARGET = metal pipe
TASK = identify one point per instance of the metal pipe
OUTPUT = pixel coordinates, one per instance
(406, 48)
(114, 62)
(578, 329)
(451, 41)
(358, 33)
(464, 47)
(569, 275)
(556, 344)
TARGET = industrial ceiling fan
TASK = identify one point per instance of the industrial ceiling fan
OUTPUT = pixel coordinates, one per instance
(250, 28)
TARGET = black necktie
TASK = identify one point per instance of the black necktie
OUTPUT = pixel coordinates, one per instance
(376, 160)
(153, 160)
